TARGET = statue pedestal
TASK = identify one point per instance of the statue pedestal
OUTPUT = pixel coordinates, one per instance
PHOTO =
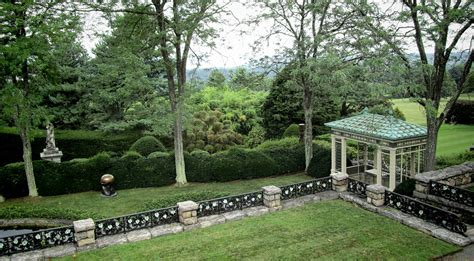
(53, 155)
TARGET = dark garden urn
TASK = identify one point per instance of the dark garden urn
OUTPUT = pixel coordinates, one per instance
(107, 182)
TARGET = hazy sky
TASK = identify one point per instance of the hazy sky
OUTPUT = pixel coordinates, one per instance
(234, 48)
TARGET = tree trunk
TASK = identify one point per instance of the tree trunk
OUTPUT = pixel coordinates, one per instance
(178, 146)
(431, 143)
(28, 161)
(308, 125)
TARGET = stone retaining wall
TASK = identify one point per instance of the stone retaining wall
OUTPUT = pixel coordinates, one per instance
(457, 175)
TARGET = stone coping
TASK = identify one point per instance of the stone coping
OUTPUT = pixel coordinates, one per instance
(449, 172)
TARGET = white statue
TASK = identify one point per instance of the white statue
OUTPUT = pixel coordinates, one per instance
(50, 142)
(51, 152)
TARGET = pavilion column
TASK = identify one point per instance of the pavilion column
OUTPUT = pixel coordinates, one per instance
(393, 165)
(412, 165)
(378, 165)
(366, 156)
(333, 153)
(343, 156)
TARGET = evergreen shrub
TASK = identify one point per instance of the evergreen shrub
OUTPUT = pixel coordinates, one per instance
(146, 145)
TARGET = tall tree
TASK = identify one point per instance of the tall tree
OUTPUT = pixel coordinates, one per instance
(178, 25)
(440, 24)
(29, 34)
(311, 25)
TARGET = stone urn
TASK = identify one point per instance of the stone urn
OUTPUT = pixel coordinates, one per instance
(107, 182)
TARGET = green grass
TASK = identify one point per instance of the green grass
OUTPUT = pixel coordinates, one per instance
(331, 230)
(452, 139)
(133, 200)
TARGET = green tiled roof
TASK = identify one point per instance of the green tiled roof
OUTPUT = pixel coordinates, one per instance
(378, 126)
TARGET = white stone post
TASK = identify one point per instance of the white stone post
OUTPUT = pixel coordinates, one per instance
(393, 169)
(343, 156)
(379, 166)
(375, 195)
(339, 182)
(187, 212)
(272, 197)
(84, 232)
(333, 154)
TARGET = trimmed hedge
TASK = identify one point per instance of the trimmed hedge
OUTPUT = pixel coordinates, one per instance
(461, 112)
(146, 145)
(73, 144)
(292, 131)
(269, 159)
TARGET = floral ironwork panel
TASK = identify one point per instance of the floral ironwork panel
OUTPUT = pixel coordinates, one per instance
(111, 226)
(455, 194)
(164, 216)
(306, 188)
(356, 186)
(424, 211)
(231, 203)
(36, 240)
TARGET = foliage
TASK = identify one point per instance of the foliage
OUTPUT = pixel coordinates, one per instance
(292, 131)
(195, 196)
(446, 161)
(133, 171)
(73, 144)
(242, 78)
(255, 137)
(14, 212)
(146, 145)
(158, 154)
(320, 165)
(240, 107)
(211, 132)
(461, 113)
(283, 106)
(131, 154)
(387, 110)
(406, 187)
(216, 79)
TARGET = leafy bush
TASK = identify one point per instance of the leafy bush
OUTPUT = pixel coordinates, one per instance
(461, 112)
(320, 164)
(131, 154)
(73, 144)
(146, 145)
(446, 161)
(406, 187)
(13, 212)
(288, 154)
(292, 131)
(171, 201)
(158, 154)
(256, 137)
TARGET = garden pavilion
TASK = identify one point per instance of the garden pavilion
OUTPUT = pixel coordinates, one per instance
(385, 150)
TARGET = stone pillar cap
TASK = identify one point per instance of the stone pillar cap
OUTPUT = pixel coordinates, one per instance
(271, 190)
(375, 188)
(187, 206)
(339, 176)
(84, 225)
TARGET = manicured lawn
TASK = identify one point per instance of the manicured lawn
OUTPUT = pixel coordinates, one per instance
(132, 200)
(331, 230)
(452, 139)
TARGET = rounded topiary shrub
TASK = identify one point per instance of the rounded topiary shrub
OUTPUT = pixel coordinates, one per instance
(131, 154)
(158, 154)
(292, 131)
(320, 164)
(146, 145)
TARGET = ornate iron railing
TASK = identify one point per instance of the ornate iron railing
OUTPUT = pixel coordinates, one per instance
(136, 221)
(231, 203)
(356, 186)
(306, 188)
(448, 192)
(424, 211)
(36, 240)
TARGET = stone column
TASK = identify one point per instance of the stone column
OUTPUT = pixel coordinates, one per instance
(343, 156)
(187, 212)
(84, 231)
(339, 182)
(333, 153)
(412, 165)
(393, 169)
(376, 195)
(272, 197)
(379, 165)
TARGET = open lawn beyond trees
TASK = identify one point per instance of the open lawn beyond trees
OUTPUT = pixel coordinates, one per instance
(134, 200)
(327, 230)
(452, 139)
